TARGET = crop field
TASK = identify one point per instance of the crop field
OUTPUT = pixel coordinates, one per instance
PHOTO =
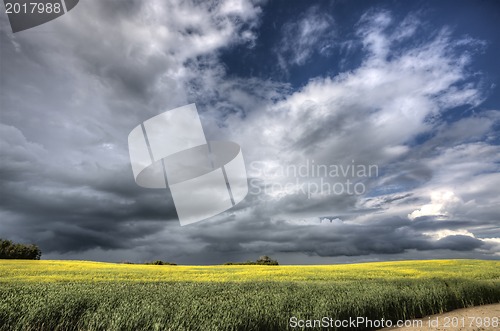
(80, 295)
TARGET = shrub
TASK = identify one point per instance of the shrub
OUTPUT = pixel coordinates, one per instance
(10, 250)
(266, 260)
(263, 260)
(160, 262)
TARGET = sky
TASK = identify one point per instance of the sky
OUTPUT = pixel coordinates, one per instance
(369, 129)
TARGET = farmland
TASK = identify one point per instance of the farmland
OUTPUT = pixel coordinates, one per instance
(83, 295)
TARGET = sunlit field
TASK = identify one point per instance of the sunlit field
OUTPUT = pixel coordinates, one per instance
(80, 295)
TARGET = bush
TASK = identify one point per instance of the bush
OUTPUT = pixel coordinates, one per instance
(263, 260)
(160, 262)
(10, 250)
(266, 260)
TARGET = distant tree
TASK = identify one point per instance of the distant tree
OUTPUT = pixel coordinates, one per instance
(263, 260)
(160, 262)
(266, 260)
(10, 250)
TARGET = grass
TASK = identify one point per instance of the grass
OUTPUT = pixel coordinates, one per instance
(78, 295)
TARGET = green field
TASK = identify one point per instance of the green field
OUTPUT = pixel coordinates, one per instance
(78, 295)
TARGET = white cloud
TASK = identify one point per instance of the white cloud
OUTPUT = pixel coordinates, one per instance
(442, 204)
(440, 234)
(312, 32)
(371, 113)
(375, 39)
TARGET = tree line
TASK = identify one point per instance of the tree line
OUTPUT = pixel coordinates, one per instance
(10, 250)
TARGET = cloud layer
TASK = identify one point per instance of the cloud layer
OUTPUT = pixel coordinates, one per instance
(72, 92)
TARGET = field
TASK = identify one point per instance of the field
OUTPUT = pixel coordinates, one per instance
(79, 295)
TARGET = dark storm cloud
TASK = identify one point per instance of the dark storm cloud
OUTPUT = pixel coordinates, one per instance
(65, 173)
(384, 236)
(459, 243)
(72, 203)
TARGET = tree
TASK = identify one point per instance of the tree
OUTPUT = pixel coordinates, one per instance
(263, 260)
(266, 260)
(160, 262)
(10, 250)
